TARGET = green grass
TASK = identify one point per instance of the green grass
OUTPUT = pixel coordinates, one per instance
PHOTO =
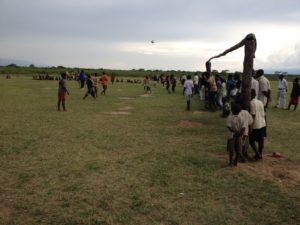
(90, 166)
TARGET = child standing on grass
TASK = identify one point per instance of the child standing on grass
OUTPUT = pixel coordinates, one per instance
(62, 91)
(147, 85)
(258, 127)
(236, 129)
(188, 89)
(247, 123)
(294, 94)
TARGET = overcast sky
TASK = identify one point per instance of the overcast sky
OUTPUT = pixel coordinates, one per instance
(117, 34)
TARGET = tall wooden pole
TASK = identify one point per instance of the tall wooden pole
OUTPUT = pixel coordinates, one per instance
(250, 47)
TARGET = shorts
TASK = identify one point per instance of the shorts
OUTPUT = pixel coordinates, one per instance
(188, 97)
(257, 134)
(90, 91)
(62, 96)
(294, 100)
(245, 142)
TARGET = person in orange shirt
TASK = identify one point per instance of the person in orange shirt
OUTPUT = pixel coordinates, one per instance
(104, 79)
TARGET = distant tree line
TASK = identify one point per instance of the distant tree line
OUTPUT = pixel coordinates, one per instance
(34, 70)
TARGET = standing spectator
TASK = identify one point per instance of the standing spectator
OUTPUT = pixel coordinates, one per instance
(238, 82)
(104, 79)
(147, 85)
(258, 127)
(247, 121)
(264, 90)
(222, 92)
(202, 85)
(218, 99)
(282, 89)
(254, 84)
(188, 88)
(81, 79)
(212, 92)
(230, 84)
(235, 126)
(62, 91)
(113, 78)
(196, 84)
(294, 94)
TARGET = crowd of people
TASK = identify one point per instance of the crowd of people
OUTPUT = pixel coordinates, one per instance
(247, 127)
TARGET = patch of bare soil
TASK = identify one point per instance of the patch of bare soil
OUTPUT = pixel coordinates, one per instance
(5, 214)
(189, 124)
(125, 98)
(126, 108)
(277, 170)
(119, 113)
(146, 95)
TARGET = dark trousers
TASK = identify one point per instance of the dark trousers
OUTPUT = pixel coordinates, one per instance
(234, 146)
(173, 88)
(81, 83)
(212, 100)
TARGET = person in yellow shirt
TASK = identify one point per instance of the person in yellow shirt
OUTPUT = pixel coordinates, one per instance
(212, 91)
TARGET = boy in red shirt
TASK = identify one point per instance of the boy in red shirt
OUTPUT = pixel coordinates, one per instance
(104, 79)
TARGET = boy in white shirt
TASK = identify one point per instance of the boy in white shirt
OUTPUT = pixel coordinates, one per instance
(247, 123)
(236, 129)
(282, 90)
(188, 88)
(258, 126)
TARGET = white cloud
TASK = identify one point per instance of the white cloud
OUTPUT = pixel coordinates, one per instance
(118, 32)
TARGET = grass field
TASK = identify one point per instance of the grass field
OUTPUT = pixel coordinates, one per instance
(129, 158)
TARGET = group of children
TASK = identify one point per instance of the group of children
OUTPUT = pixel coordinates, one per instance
(91, 83)
(246, 128)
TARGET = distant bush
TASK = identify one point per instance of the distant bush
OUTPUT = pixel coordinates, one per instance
(12, 65)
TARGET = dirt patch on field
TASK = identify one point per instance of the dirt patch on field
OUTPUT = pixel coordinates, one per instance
(146, 95)
(5, 214)
(283, 173)
(189, 124)
(125, 98)
(120, 113)
(126, 108)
